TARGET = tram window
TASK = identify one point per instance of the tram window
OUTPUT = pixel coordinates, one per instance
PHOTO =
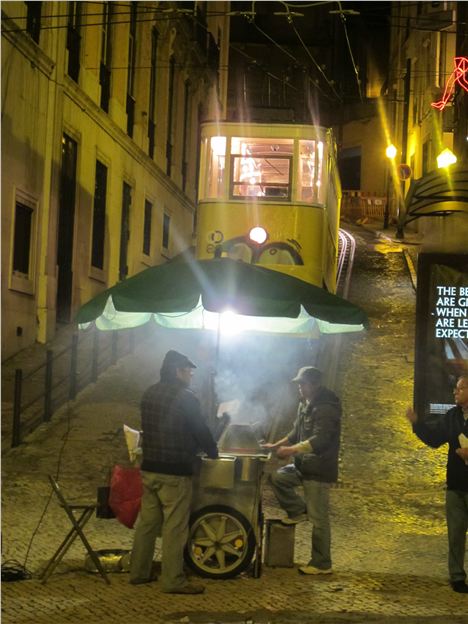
(215, 168)
(312, 170)
(260, 176)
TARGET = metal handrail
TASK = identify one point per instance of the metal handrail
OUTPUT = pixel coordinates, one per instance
(100, 360)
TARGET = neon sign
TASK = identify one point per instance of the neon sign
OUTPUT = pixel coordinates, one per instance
(459, 75)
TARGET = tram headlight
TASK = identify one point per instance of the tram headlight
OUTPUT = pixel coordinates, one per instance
(258, 235)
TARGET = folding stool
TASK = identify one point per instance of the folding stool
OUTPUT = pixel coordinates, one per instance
(79, 514)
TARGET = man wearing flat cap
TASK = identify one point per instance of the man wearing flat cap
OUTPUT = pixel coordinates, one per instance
(313, 443)
(174, 431)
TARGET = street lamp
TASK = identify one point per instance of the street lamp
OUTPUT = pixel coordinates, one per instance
(446, 158)
(390, 152)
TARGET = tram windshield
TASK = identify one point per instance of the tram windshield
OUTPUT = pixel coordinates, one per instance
(269, 169)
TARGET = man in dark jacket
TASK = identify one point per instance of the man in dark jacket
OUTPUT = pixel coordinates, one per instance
(314, 442)
(173, 432)
(452, 429)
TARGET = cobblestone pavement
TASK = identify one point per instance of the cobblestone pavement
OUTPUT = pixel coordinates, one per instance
(389, 540)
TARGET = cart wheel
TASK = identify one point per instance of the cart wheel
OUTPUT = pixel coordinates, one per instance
(221, 542)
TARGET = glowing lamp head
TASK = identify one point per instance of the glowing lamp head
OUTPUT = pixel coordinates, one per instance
(446, 158)
(391, 151)
(258, 235)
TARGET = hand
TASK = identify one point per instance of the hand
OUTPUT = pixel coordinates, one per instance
(411, 415)
(284, 452)
(463, 453)
(269, 445)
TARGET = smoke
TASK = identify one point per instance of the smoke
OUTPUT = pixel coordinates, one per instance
(247, 376)
(253, 378)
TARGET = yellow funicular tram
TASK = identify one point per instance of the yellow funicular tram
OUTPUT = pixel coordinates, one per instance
(270, 194)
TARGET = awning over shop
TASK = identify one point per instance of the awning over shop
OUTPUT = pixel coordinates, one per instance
(438, 194)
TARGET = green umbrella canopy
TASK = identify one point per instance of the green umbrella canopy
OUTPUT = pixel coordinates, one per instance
(221, 283)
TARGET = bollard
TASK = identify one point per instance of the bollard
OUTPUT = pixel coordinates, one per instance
(48, 386)
(16, 434)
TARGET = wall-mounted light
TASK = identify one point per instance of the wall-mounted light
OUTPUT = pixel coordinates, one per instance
(446, 158)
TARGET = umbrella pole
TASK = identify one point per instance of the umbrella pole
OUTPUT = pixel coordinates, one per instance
(218, 340)
(214, 372)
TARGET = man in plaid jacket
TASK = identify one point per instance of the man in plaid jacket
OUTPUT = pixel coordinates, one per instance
(174, 431)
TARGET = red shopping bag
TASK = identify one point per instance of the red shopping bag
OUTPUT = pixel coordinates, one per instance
(126, 490)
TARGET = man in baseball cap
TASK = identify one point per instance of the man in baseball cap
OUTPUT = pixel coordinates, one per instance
(313, 443)
(308, 374)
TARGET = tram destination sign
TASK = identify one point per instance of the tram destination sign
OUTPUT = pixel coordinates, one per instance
(441, 348)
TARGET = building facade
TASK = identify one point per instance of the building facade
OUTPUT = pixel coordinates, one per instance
(101, 107)
(426, 38)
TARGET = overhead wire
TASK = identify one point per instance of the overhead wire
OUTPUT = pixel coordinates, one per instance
(356, 71)
(294, 58)
(329, 82)
(267, 72)
(175, 14)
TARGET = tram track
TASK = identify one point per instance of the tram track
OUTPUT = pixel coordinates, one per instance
(331, 344)
(346, 250)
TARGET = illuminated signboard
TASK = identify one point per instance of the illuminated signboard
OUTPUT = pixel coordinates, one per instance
(441, 348)
(458, 76)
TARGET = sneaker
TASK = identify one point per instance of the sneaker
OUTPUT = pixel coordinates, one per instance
(294, 519)
(190, 588)
(460, 587)
(309, 569)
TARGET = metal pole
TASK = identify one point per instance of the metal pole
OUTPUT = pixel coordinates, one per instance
(404, 148)
(73, 366)
(387, 200)
(16, 434)
(48, 386)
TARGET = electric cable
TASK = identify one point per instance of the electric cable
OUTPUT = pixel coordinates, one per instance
(12, 570)
(265, 71)
(356, 71)
(329, 82)
(175, 13)
(275, 43)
